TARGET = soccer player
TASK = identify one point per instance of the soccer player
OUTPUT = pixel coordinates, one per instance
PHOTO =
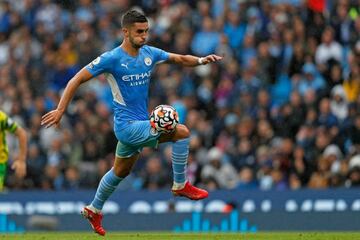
(128, 69)
(19, 165)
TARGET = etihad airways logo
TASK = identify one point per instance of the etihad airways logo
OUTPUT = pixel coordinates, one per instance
(134, 77)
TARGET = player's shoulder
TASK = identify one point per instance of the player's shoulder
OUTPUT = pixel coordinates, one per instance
(2, 115)
(110, 53)
(150, 49)
(105, 58)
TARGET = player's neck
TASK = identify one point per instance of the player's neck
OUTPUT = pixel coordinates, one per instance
(126, 46)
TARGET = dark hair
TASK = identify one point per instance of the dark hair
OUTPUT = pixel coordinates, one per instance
(131, 17)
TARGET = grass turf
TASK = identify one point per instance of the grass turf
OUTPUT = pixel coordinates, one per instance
(173, 236)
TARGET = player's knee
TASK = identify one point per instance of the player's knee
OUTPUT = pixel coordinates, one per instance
(184, 132)
(121, 171)
(187, 132)
(123, 166)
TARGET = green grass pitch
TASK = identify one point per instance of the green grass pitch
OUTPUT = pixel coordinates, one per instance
(189, 236)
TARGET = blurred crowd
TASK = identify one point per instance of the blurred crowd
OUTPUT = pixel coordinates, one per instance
(281, 111)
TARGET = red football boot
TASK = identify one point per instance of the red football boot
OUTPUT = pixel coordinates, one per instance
(94, 220)
(191, 192)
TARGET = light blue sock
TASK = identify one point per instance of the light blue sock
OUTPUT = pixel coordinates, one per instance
(106, 187)
(180, 152)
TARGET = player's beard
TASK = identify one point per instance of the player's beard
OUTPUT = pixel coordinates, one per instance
(134, 44)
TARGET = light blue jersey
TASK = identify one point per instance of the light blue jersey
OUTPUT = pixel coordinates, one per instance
(129, 79)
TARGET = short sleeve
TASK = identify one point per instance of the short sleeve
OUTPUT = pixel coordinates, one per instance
(159, 54)
(9, 125)
(101, 64)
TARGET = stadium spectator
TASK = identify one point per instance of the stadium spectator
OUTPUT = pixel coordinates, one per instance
(218, 169)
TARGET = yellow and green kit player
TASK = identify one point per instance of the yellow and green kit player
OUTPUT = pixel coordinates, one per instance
(19, 165)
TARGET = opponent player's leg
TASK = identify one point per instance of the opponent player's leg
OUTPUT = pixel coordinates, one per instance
(180, 151)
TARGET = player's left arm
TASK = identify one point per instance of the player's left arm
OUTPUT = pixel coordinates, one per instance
(192, 61)
(19, 165)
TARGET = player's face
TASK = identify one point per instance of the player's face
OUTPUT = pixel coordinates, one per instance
(138, 34)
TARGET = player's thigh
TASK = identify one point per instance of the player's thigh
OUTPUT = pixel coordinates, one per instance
(123, 165)
(181, 132)
(138, 133)
(126, 150)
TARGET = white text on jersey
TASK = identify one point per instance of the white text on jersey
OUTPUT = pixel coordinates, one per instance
(136, 76)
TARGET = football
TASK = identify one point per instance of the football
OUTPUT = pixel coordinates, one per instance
(164, 118)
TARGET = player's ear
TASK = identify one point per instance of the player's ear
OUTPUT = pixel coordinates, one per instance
(125, 31)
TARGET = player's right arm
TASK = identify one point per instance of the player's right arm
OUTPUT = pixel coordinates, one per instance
(53, 117)
(100, 65)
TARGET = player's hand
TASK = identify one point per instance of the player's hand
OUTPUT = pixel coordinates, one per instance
(19, 166)
(211, 58)
(51, 118)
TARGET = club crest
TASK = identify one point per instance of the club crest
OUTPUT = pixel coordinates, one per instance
(147, 61)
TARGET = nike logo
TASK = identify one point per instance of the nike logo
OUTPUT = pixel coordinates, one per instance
(125, 65)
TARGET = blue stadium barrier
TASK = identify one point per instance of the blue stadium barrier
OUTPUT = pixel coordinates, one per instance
(9, 226)
(230, 223)
(146, 211)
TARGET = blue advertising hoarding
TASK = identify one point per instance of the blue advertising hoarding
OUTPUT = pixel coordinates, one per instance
(158, 211)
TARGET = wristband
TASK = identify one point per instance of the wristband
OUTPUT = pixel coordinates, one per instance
(200, 60)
